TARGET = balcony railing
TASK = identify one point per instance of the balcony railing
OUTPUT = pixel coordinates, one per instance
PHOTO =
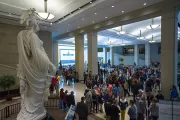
(10, 110)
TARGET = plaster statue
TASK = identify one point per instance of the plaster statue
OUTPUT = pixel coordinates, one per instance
(34, 70)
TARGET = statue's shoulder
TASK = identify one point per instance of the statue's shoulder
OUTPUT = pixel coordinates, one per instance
(27, 33)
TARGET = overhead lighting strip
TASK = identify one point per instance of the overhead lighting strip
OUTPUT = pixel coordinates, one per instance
(78, 9)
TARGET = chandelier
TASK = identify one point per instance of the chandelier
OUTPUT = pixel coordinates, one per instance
(122, 31)
(152, 41)
(108, 42)
(140, 36)
(45, 15)
(152, 26)
(122, 43)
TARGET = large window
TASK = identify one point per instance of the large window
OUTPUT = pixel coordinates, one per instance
(67, 56)
(128, 50)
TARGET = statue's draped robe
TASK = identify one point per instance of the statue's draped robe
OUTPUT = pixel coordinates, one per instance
(33, 70)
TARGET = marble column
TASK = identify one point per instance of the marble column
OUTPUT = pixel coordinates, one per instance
(79, 55)
(92, 52)
(136, 54)
(147, 54)
(105, 55)
(112, 55)
(55, 53)
(169, 50)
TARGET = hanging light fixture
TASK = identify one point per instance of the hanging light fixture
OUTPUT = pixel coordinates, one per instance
(122, 31)
(152, 26)
(45, 15)
(140, 37)
(152, 41)
(123, 43)
(108, 42)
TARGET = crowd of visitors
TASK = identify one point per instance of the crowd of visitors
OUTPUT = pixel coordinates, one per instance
(112, 90)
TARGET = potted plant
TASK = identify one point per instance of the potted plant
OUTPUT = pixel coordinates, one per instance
(6, 82)
(121, 61)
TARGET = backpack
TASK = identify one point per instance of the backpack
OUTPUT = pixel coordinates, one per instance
(94, 97)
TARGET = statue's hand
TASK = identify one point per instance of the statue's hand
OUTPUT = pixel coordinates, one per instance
(52, 69)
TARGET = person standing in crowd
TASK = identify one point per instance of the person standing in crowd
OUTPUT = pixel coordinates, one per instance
(77, 77)
(88, 98)
(90, 74)
(141, 108)
(150, 97)
(121, 92)
(71, 100)
(154, 110)
(57, 84)
(126, 88)
(130, 84)
(114, 111)
(100, 101)
(84, 75)
(51, 88)
(107, 108)
(123, 105)
(94, 101)
(65, 100)
(82, 109)
(132, 112)
(174, 93)
(159, 96)
(61, 98)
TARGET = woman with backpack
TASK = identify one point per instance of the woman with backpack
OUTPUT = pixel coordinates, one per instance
(123, 105)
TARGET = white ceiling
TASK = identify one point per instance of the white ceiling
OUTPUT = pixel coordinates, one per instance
(60, 8)
(133, 31)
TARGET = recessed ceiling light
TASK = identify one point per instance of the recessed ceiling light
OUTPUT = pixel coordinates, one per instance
(51, 23)
(95, 13)
(122, 11)
(90, 2)
(112, 6)
(145, 4)
(106, 17)
(123, 44)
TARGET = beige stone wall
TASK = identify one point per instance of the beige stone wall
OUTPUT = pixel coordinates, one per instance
(46, 37)
(8, 48)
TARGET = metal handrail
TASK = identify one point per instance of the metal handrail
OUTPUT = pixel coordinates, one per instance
(15, 108)
(9, 110)
(7, 66)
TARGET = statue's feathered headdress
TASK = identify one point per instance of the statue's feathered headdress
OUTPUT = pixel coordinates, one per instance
(26, 16)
